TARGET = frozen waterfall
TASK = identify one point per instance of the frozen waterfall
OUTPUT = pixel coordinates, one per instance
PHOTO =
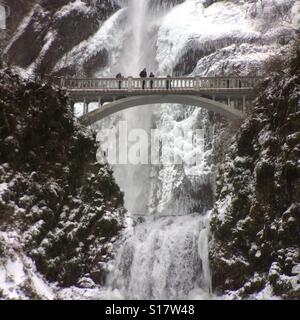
(157, 257)
(132, 59)
(164, 258)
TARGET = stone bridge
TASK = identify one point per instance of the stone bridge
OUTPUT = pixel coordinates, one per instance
(228, 96)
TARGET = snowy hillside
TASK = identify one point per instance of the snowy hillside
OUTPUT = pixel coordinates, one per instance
(255, 222)
(59, 208)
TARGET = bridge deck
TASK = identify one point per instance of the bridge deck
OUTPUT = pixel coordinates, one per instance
(160, 84)
(213, 93)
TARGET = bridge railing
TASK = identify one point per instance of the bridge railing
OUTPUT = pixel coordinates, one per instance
(183, 83)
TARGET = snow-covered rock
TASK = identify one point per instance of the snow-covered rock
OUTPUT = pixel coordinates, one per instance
(256, 214)
(59, 208)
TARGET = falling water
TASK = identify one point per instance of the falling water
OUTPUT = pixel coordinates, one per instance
(164, 258)
(158, 257)
(138, 53)
(132, 57)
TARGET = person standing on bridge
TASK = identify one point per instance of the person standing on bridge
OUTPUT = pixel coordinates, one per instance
(143, 74)
(151, 81)
(168, 82)
(119, 77)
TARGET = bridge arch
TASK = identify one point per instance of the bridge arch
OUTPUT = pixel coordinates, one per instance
(141, 100)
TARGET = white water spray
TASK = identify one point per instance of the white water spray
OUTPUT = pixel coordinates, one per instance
(165, 258)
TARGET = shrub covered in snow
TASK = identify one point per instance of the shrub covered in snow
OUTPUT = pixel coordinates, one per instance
(256, 219)
(65, 205)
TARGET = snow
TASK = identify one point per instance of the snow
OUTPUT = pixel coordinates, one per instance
(109, 37)
(75, 293)
(296, 269)
(15, 271)
(3, 188)
(18, 273)
(49, 38)
(242, 59)
(258, 254)
(264, 136)
(223, 207)
(77, 5)
(296, 15)
(42, 287)
(191, 25)
(265, 294)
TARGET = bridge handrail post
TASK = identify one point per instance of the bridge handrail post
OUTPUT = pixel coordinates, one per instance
(130, 82)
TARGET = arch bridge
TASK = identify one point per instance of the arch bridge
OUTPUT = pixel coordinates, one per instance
(228, 96)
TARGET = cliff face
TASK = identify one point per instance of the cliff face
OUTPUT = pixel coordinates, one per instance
(256, 219)
(61, 205)
(56, 27)
(18, 9)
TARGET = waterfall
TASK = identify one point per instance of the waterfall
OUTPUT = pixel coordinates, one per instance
(155, 257)
(132, 60)
(164, 258)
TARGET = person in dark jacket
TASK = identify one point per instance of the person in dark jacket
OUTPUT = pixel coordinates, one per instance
(151, 81)
(168, 82)
(143, 74)
(119, 77)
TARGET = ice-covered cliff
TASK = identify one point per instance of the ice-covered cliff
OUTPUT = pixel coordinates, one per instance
(192, 30)
(223, 38)
(56, 27)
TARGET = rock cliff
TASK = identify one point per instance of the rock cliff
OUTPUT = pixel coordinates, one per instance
(61, 204)
(255, 222)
